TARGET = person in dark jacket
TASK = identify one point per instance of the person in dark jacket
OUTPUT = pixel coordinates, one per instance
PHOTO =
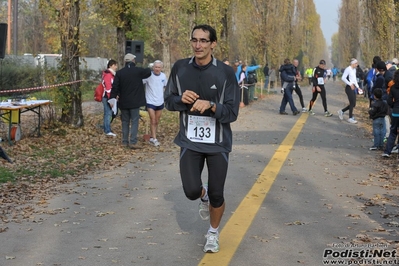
(288, 76)
(393, 102)
(370, 78)
(380, 80)
(266, 74)
(391, 68)
(377, 112)
(128, 88)
(364, 81)
(359, 78)
(297, 89)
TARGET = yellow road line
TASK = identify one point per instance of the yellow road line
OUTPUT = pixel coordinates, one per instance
(237, 226)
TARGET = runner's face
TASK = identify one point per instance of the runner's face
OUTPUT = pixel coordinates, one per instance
(202, 50)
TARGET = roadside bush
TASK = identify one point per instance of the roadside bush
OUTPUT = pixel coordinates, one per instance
(16, 74)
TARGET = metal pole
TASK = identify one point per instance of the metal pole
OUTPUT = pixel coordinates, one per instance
(9, 27)
(15, 27)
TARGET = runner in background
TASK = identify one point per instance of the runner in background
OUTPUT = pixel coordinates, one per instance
(349, 77)
(319, 78)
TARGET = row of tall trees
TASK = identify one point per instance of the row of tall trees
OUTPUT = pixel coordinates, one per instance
(366, 28)
(263, 30)
(256, 31)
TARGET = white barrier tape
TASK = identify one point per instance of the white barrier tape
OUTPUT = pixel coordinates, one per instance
(42, 87)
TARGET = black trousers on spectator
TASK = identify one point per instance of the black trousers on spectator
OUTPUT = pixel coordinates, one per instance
(298, 91)
(244, 96)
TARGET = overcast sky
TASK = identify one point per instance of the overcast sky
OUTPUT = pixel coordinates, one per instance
(328, 11)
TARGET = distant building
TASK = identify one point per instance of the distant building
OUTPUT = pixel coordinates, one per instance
(87, 63)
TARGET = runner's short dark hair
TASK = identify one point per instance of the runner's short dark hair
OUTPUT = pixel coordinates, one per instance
(206, 28)
(377, 93)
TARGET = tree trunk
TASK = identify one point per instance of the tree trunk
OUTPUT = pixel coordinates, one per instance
(72, 96)
(121, 37)
(166, 58)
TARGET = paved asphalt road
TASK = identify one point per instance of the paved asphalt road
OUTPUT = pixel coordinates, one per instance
(326, 192)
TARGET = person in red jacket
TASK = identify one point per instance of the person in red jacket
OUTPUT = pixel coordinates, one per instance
(108, 79)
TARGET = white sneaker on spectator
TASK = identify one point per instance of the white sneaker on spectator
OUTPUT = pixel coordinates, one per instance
(111, 134)
(154, 142)
(352, 120)
(394, 150)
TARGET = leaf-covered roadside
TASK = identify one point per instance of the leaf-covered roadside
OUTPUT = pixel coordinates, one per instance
(381, 208)
(385, 168)
(64, 155)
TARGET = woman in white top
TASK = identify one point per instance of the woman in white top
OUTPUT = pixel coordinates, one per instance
(155, 85)
(349, 77)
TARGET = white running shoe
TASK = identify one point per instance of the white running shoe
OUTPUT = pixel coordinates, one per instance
(340, 114)
(394, 150)
(212, 243)
(111, 134)
(204, 204)
(304, 110)
(154, 142)
(204, 210)
(352, 121)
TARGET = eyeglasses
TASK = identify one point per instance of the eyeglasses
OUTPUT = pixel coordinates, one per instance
(201, 41)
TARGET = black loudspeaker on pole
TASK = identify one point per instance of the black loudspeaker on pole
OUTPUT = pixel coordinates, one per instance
(3, 39)
(136, 48)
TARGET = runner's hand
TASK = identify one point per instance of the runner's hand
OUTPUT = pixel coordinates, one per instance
(189, 97)
(200, 106)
